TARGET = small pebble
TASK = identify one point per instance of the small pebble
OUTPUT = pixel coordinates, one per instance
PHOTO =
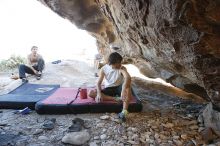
(103, 136)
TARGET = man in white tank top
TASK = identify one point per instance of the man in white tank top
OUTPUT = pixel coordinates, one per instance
(117, 83)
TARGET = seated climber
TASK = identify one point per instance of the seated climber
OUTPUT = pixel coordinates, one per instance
(117, 83)
(35, 65)
(98, 61)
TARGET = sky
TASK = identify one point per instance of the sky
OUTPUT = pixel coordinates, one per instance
(27, 23)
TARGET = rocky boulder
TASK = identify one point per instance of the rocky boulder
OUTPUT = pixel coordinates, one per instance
(76, 138)
(178, 41)
(211, 118)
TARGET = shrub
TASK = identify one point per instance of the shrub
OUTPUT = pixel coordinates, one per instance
(12, 63)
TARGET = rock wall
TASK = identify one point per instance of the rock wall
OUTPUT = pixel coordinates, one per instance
(177, 40)
(211, 118)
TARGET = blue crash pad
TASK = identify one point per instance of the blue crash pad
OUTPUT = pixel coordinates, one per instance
(26, 95)
(35, 89)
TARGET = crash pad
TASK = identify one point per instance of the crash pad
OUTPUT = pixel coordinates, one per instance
(26, 95)
(66, 101)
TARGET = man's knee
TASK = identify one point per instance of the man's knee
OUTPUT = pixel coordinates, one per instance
(92, 93)
(40, 62)
(21, 66)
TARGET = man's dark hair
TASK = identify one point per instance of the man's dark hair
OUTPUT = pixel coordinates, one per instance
(114, 58)
(33, 47)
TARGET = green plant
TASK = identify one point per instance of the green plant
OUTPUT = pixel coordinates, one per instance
(12, 62)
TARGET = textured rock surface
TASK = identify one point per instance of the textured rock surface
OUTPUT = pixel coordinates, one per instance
(211, 118)
(166, 119)
(76, 138)
(176, 40)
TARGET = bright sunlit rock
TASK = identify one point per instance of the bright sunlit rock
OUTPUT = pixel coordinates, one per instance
(134, 72)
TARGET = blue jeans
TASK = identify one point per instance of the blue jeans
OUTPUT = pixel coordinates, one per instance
(25, 69)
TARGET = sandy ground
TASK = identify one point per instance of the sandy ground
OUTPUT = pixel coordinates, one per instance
(68, 73)
(165, 116)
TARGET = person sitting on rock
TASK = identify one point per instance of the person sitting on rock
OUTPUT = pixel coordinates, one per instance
(35, 65)
(117, 83)
(97, 60)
